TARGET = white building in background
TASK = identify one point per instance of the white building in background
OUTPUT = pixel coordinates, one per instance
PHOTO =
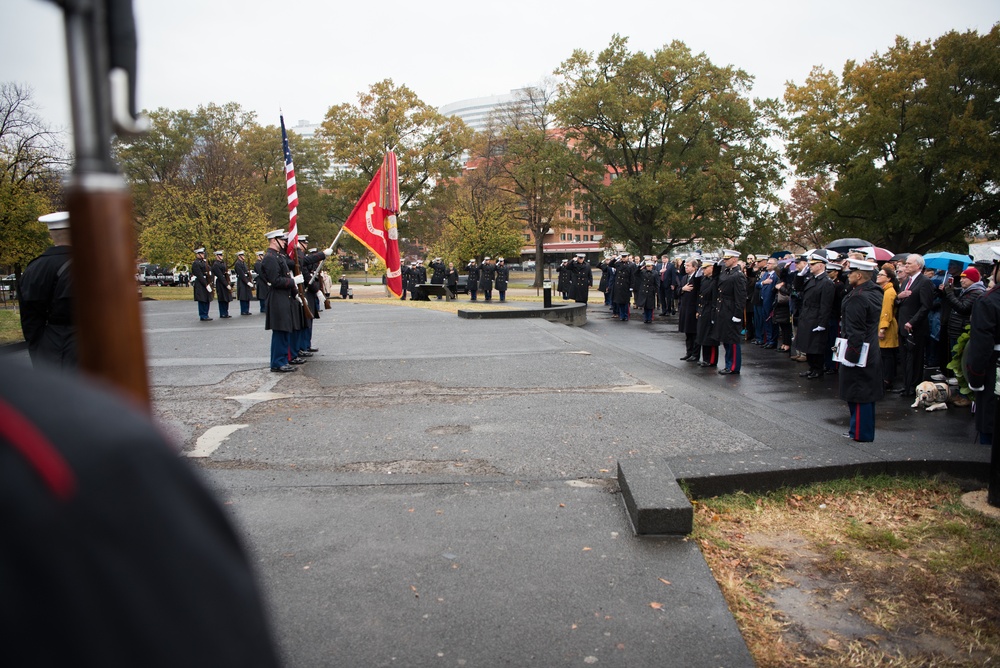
(476, 111)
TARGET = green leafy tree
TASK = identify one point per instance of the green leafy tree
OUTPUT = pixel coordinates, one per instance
(911, 138)
(182, 218)
(392, 118)
(670, 149)
(530, 162)
(32, 161)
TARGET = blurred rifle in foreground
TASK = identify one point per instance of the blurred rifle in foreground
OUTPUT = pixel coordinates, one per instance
(101, 50)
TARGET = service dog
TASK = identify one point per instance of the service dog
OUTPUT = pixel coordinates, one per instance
(932, 396)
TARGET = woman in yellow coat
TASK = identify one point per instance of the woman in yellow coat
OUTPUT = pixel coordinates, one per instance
(888, 328)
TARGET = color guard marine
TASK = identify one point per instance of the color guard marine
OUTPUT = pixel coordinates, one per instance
(46, 296)
(202, 283)
(224, 292)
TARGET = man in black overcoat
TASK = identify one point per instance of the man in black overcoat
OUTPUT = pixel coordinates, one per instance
(46, 296)
(621, 291)
(980, 358)
(704, 336)
(914, 303)
(816, 292)
(582, 278)
(473, 278)
(688, 285)
(487, 274)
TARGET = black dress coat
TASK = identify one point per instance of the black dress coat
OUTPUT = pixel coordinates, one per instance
(223, 292)
(202, 280)
(730, 300)
(706, 312)
(815, 307)
(474, 273)
(487, 274)
(646, 287)
(565, 280)
(605, 268)
(46, 296)
(438, 270)
(582, 279)
(860, 313)
(244, 286)
(284, 314)
(980, 357)
(262, 287)
(621, 293)
(502, 277)
(687, 308)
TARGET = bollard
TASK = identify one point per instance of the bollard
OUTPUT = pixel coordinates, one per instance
(547, 294)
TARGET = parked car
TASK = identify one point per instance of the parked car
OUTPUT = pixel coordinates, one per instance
(529, 265)
(8, 286)
(463, 285)
(154, 274)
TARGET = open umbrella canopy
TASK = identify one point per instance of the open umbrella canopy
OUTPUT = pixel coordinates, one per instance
(844, 245)
(940, 261)
(880, 254)
(780, 253)
(899, 257)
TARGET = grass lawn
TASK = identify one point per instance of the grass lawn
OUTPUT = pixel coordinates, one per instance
(10, 326)
(863, 572)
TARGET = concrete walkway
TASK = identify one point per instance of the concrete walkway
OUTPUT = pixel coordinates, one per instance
(434, 491)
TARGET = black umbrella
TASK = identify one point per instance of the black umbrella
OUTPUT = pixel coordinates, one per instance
(780, 253)
(844, 245)
(899, 256)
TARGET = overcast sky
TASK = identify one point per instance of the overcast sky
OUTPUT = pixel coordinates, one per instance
(306, 55)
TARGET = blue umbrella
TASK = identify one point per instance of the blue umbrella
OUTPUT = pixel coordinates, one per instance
(939, 261)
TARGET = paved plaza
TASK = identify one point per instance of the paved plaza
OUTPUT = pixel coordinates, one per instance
(434, 491)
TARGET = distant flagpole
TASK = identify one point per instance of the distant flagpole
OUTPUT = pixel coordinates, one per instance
(292, 193)
(293, 216)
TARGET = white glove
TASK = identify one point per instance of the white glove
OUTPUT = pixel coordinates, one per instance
(736, 319)
(209, 287)
(249, 284)
(820, 329)
(328, 251)
(976, 389)
(299, 279)
(804, 271)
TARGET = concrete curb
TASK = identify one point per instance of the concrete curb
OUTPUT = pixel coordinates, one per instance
(569, 314)
(657, 505)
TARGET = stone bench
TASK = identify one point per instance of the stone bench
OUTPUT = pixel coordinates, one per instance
(422, 292)
(568, 314)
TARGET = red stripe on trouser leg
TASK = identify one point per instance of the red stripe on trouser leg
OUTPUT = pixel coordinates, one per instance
(857, 422)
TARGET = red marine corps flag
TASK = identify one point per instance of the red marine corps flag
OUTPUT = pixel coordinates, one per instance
(373, 221)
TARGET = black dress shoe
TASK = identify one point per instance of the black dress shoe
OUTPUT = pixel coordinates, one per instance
(283, 369)
(305, 353)
(814, 375)
(770, 346)
(205, 319)
(686, 358)
(297, 360)
(225, 316)
(805, 374)
(312, 350)
(830, 371)
(704, 364)
(728, 372)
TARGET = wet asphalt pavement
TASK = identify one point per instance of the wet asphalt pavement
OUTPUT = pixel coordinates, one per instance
(432, 491)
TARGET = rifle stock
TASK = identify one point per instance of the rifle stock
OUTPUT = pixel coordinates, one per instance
(109, 326)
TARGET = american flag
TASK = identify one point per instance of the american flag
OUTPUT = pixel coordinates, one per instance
(293, 195)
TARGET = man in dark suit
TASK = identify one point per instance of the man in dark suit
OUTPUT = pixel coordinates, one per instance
(914, 303)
